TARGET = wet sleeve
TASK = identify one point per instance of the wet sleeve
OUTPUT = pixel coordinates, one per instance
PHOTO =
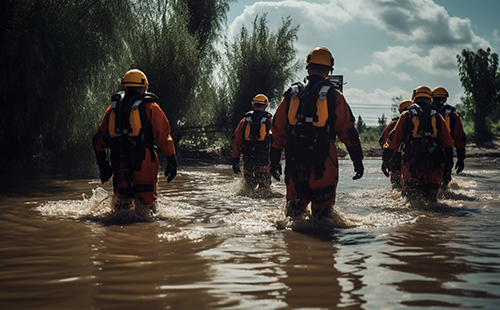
(344, 124)
(396, 135)
(279, 132)
(238, 139)
(98, 141)
(445, 134)
(385, 135)
(458, 135)
(161, 128)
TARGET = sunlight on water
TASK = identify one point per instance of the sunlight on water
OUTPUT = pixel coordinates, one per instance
(100, 205)
(206, 207)
(212, 242)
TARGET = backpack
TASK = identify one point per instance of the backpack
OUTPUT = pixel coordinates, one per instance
(311, 113)
(423, 141)
(256, 139)
(257, 126)
(129, 130)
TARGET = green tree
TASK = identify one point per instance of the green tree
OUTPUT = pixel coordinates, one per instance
(176, 52)
(258, 61)
(201, 125)
(481, 81)
(167, 53)
(206, 20)
(382, 123)
(360, 125)
(56, 57)
(61, 60)
(395, 105)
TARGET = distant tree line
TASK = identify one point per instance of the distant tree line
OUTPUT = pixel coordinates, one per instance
(62, 60)
(479, 74)
(480, 77)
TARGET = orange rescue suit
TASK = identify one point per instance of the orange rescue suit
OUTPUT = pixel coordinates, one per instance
(303, 182)
(418, 175)
(455, 127)
(144, 181)
(395, 167)
(255, 146)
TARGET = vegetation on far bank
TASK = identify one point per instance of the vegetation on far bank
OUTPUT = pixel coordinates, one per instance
(62, 60)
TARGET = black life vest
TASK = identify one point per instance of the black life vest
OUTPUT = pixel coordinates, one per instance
(423, 142)
(257, 126)
(424, 122)
(256, 139)
(447, 111)
(129, 130)
(310, 112)
(128, 123)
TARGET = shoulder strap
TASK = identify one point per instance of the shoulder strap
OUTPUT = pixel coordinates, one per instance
(318, 91)
(332, 101)
(255, 119)
(116, 98)
(295, 90)
(447, 109)
(428, 122)
(449, 118)
(414, 129)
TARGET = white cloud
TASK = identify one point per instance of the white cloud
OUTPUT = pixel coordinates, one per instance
(379, 97)
(372, 105)
(433, 36)
(438, 61)
(403, 76)
(377, 44)
(311, 16)
(495, 34)
(373, 68)
(419, 22)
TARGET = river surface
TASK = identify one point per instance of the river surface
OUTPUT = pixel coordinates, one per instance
(211, 245)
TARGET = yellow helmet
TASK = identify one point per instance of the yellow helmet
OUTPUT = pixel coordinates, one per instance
(260, 99)
(422, 91)
(135, 78)
(440, 92)
(404, 104)
(320, 56)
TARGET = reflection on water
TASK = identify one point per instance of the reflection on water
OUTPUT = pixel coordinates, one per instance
(212, 244)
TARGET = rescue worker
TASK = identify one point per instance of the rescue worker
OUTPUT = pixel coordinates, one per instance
(252, 139)
(133, 123)
(394, 171)
(454, 125)
(427, 147)
(309, 118)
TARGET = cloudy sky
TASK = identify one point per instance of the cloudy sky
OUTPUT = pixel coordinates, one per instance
(384, 48)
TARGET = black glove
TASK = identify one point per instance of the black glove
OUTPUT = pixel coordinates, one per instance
(385, 168)
(236, 165)
(460, 165)
(387, 155)
(171, 170)
(359, 169)
(445, 180)
(105, 173)
(460, 160)
(275, 156)
(448, 151)
(105, 169)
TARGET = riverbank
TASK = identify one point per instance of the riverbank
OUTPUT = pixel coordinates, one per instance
(218, 155)
(478, 150)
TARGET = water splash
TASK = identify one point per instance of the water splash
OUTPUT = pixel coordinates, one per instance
(104, 207)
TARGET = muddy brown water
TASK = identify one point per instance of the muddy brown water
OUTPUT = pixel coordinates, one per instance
(214, 246)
